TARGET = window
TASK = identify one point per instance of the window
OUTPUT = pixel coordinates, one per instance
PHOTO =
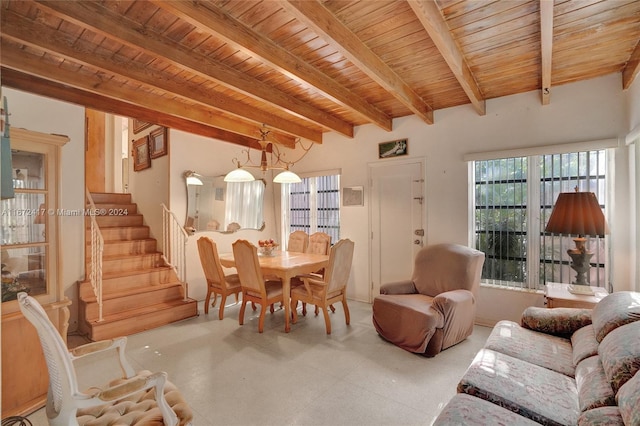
(513, 200)
(313, 205)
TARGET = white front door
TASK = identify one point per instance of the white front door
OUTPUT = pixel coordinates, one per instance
(397, 220)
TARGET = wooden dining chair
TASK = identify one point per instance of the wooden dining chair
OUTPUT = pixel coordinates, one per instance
(217, 281)
(255, 288)
(298, 241)
(319, 243)
(332, 288)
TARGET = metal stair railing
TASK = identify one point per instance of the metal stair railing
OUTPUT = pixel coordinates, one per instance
(174, 243)
(97, 250)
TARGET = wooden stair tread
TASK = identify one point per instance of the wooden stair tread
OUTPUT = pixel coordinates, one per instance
(132, 313)
(129, 241)
(128, 256)
(120, 274)
(138, 291)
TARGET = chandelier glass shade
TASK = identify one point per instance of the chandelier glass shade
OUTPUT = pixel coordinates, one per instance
(240, 174)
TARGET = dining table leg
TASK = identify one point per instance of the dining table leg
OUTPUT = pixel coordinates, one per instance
(286, 295)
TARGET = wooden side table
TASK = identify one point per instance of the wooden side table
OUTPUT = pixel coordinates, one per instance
(557, 296)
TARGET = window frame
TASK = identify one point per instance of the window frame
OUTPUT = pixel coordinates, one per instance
(534, 245)
(313, 223)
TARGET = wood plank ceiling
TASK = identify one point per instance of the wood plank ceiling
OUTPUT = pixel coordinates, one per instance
(224, 68)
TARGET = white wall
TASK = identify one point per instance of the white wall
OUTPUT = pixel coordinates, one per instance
(50, 116)
(210, 157)
(584, 111)
(149, 188)
(633, 127)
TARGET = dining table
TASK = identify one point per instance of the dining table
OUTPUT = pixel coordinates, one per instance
(284, 265)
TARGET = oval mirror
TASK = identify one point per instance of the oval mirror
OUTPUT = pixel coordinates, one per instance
(216, 205)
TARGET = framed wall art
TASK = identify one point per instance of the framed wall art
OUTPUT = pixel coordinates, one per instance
(158, 142)
(139, 125)
(353, 196)
(392, 149)
(141, 157)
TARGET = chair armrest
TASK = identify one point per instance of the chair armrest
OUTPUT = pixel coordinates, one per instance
(137, 384)
(454, 299)
(118, 344)
(398, 287)
(555, 321)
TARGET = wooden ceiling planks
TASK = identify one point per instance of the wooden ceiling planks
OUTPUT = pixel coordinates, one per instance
(307, 80)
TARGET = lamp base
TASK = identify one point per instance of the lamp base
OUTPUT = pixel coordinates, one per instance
(581, 259)
(580, 289)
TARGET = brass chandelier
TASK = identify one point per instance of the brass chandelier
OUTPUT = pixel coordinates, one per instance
(278, 162)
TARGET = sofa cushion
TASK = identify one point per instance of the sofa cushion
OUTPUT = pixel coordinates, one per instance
(620, 354)
(407, 320)
(542, 395)
(629, 401)
(584, 344)
(467, 410)
(593, 388)
(545, 350)
(557, 321)
(613, 311)
(609, 416)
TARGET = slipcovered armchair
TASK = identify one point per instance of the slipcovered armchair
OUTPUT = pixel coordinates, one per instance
(436, 308)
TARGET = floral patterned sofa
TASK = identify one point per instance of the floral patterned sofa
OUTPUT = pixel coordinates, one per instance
(560, 366)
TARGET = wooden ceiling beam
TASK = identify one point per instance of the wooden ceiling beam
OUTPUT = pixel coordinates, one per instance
(113, 26)
(630, 70)
(40, 86)
(432, 20)
(332, 30)
(19, 60)
(212, 20)
(31, 33)
(546, 47)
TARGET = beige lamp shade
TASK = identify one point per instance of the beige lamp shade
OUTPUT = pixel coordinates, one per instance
(577, 213)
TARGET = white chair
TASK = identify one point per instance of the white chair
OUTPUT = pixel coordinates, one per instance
(135, 399)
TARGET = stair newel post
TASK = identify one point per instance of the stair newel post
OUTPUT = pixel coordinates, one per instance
(174, 243)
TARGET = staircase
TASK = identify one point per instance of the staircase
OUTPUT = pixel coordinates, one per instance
(140, 291)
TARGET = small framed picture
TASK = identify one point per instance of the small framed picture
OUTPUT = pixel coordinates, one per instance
(141, 157)
(158, 142)
(392, 149)
(353, 196)
(139, 125)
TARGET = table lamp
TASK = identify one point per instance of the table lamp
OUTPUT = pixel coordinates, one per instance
(578, 213)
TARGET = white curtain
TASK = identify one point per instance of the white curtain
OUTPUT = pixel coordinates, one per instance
(244, 204)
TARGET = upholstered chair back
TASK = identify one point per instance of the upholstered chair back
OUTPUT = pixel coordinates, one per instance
(248, 266)
(319, 243)
(298, 241)
(210, 260)
(444, 267)
(337, 271)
